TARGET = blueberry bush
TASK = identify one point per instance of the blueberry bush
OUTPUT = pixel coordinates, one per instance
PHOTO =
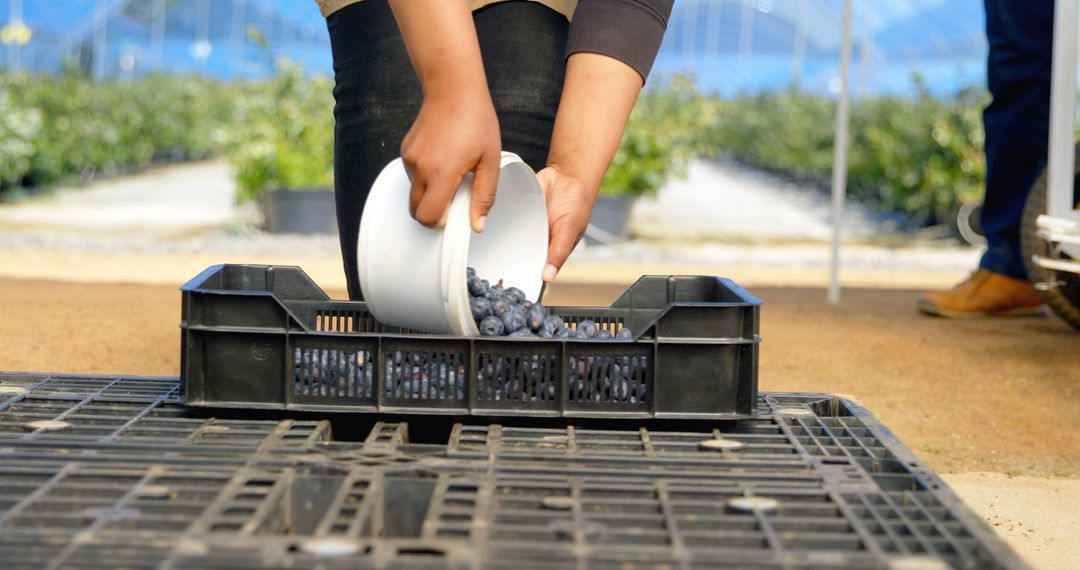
(918, 155)
(61, 127)
(283, 134)
(921, 156)
(660, 138)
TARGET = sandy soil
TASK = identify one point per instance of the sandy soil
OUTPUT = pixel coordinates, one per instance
(1038, 517)
(966, 396)
(974, 396)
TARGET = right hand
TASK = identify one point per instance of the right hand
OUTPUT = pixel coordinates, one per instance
(456, 132)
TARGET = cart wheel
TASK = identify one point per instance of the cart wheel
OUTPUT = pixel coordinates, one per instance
(967, 221)
(1060, 290)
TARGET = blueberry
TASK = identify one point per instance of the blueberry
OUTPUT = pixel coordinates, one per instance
(495, 291)
(522, 332)
(564, 333)
(491, 326)
(471, 271)
(514, 319)
(517, 294)
(476, 286)
(625, 334)
(579, 334)
(500, 306)
(480, 307)
(527, 305)
(551, 325)
(588, 327)
(536, 315)
(604, 334)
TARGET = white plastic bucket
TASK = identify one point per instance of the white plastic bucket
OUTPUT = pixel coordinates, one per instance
(415, 277)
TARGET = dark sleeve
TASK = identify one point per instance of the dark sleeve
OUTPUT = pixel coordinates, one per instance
(627, 30)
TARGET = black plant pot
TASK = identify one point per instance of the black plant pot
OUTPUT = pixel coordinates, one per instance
(610, 216)
(299, 211)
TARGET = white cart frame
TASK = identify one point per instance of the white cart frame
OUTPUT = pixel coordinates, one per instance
(1060, 226)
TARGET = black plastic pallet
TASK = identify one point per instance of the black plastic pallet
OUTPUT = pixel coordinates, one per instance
(132, 479)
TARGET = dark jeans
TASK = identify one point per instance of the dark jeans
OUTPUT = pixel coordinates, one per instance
(378, 95)
(1017, 122)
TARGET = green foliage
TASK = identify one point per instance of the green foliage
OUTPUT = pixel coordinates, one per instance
(74, 126)
(783, 131)
(278, 132)
(19, 127)
(660, 138)
(283, 136)
(919, 155)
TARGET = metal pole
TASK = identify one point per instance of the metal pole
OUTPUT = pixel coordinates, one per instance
(158, 33)
(687, 30)
(1059, 187)
(839, 175)
(15, 48)
(712, 32)
(266, 29)
(798, 52)
(203, 10)
(746, 44)
(101, 22)
(866, 47)
(239, 15)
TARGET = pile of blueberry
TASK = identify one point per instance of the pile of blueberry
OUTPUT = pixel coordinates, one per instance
(420, 375)
(603, 379)
(438, 376)
(500, 311)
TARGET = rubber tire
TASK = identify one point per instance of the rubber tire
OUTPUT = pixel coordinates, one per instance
(1063, 300)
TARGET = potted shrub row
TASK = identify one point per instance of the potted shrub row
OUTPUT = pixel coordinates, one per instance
(283, 149)
(659, 141)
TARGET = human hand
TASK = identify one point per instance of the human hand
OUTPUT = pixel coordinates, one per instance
(456, 132)
(570, 201)
(597, 97)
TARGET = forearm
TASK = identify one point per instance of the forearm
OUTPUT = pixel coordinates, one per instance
(457, 130)
(598, 94)
(441, 40)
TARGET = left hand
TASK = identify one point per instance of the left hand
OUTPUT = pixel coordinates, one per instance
(597, 97)
(569, 203)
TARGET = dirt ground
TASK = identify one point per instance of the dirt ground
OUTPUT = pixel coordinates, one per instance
(974, 396)
(965, 396)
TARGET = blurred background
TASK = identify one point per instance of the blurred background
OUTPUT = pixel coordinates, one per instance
(142, 141)
(219, 107)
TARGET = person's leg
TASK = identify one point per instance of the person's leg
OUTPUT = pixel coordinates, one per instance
(378, 95)
(1016, 122)
(377, 98)
(1017, 126)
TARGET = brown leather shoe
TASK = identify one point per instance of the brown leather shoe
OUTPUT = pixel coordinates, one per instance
(984, 294)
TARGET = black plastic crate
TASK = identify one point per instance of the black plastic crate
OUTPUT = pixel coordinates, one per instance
(268, 337)
(834, 488)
